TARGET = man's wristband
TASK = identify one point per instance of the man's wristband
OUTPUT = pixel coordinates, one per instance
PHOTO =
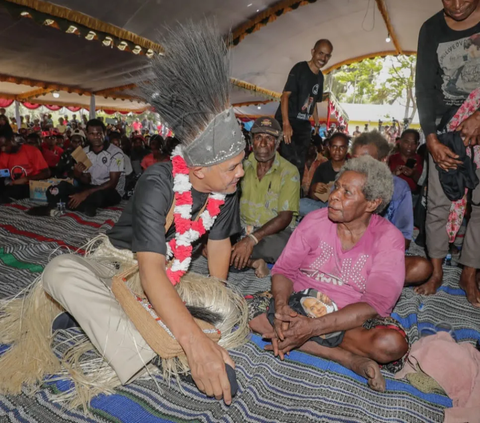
(255, 240)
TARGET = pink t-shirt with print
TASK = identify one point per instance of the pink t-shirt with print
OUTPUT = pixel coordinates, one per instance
(373, 271)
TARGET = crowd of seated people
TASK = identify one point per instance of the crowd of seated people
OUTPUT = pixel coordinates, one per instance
(42, 151)
(365, 224)
(336, 241)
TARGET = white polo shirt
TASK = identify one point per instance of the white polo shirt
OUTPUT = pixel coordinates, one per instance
(110, 159)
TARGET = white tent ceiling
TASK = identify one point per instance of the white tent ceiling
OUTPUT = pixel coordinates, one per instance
(263, 57)
(355, 27)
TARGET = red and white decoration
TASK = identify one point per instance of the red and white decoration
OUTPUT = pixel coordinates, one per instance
(179, 249)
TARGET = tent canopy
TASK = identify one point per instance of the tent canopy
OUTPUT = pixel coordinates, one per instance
(78, 44)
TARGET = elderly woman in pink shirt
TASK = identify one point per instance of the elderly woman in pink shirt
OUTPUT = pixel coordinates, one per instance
(350, 261)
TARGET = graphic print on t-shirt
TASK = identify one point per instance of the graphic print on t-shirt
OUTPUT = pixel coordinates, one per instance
(460, 62)
(306, 109)
(18, 172)
(347, 272)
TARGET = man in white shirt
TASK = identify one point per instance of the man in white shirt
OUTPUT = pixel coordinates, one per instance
(102, 185)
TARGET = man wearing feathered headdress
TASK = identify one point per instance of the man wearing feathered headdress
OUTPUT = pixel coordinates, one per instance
(174, 205)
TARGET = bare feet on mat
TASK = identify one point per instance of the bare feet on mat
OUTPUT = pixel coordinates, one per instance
(370, 370)
(261, 268)
(468, 282)
(430, 287)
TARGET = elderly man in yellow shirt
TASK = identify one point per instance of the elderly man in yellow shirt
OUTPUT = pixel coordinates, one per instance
(269, 201)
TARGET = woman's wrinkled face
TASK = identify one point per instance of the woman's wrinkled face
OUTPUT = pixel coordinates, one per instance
(347, 201)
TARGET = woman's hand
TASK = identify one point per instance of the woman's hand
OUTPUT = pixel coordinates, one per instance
(470, 130)
(300, 331)
(283, 315)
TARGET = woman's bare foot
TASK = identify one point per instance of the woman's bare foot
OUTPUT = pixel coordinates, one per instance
(370, 370)
(468, 282)
(261, 268)
(430, 287)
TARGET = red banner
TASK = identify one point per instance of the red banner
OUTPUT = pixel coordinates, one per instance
(53, 108)
(5, 103)
(31, 106)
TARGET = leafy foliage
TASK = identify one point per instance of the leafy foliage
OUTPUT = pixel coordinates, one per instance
(359, 82)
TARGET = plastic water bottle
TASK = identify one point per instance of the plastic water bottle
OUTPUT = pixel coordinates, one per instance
(448, 259)
(61, 208)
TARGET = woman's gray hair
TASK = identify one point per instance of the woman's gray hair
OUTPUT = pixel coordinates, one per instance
(379, 179)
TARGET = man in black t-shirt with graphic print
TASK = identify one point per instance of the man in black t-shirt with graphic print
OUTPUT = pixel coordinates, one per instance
(302, 92)
(447, 78)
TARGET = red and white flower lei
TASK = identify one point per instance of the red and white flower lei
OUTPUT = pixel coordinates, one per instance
(187, 232)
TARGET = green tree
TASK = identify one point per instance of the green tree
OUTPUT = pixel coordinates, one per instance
(401, 83)
(357, 83)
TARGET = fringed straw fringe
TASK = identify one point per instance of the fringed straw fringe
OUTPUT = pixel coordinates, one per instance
(90, 376)
(26, 323)
(213, 295)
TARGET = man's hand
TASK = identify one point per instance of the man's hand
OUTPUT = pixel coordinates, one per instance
(470, 130)
(78, 170)
(300, 331)
(399, 170)
(77, 199)
(206, 360)
(320, 188)
(441, 154)
(21, 181)
(407, 171)
(287, 132)
(241, 253)
(315, 130)
(283, 316)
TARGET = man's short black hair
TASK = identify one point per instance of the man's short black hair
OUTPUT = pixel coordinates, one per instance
(317, 140)
(341, 135)
(114, 136)
(33, 136)
(323, 41)
(7, 133)
(415, 133)
(96, 123)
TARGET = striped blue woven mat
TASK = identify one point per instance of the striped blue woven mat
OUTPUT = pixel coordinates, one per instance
(302, 389)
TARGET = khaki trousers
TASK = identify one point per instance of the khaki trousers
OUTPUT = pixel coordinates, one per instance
(82, 287)
(438, 209)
